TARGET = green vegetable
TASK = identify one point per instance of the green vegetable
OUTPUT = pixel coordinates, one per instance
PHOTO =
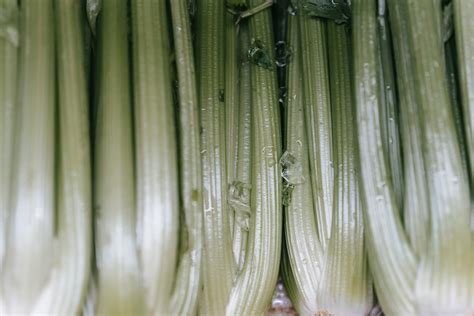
(415, 202)
(218, 260)
(188, 279)
(31, 215)
(318, 120)
(392, 261)
(119, 281)
(254, 286)
(155, 153)
(239, 195)
(8, 82)
(429, 277)
(441, 285)
(303, 247)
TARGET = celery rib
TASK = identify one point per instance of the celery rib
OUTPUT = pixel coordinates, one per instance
(463, 12)
(441, 284)
(218, 261)
(389, 104)
(318, 120)
(8, 109)
(66, 289)
(254, 287)
(231, 99)
(303, 248)
(345, 287)
(155, 153)
(188, 279)
(243, 172)
(119, 279)
(32, 213)
(415, 203)
(391, 258)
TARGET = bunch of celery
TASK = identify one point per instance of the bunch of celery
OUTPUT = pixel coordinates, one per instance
(420, 249)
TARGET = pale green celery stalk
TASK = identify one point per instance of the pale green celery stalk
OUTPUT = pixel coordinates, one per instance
(442, 282)
(65, 291)
(241, 188)
(31, 221)
(464, 24)
(318, 119)
(155, 153)
(188, 278)
(303, 248)
(218, 260)
(415, 203)
(290, 284)
(389, 104)
(391, 259)
(231, 99)
(253, 290)
(120, 290)
(345, 287)
(8, 82)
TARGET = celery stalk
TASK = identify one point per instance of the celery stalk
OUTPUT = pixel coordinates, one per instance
(253, 289)
(119, 278)
(218, 261)
(188, 279)
(392, 261)
(155, 152)
(345, 286)
(231, 99)
(415, 203)
(318, 119)
(464, 24)
(304, 264)
(389, 110)
(31, 222)
(65, 292)
(8, 82)
(442, 283)
(242, 186)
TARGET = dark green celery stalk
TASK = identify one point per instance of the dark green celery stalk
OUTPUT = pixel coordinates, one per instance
(318, 119)
(415, 203)
(9, 37)
(304, 264)
(120, 289)
(29, 252)
(391, 259)
(188, 278)
(240, 198)
(218, 261)
(442, 283)
(345, 286)
(253, 289)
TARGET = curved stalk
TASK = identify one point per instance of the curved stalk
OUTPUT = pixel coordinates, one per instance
(392, 261)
